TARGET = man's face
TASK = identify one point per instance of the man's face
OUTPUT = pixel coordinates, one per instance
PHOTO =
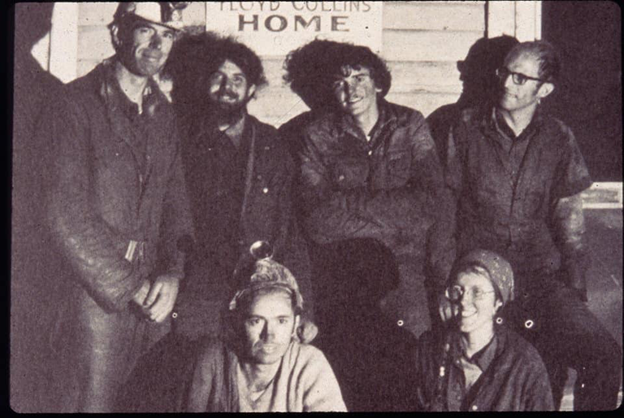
(516, 97)
(229, 87)
(355, 91)
(147, 49)
(269, 326)
(477, 306)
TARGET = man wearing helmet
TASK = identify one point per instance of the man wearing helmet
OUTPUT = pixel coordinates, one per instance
(257, 365)
(117, 208)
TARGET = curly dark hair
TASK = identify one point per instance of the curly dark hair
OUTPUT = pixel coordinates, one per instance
(307, 72)
(243, 56)
(357, 56)
(194, 58)
(311, 69)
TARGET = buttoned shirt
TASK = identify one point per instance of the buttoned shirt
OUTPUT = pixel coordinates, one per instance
(465, 371)
(511, 375)
(217, 201)
(508, 188)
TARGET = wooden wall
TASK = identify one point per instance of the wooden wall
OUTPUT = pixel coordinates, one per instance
(422, 42)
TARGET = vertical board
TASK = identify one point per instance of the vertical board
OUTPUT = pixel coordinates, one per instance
(64, 41)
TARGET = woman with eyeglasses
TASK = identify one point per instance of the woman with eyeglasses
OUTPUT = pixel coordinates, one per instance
(474, 363)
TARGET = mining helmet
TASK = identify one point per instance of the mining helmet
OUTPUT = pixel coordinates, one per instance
(263, 272)
(168, 14)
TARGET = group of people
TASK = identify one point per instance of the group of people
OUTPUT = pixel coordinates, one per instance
(206, 253)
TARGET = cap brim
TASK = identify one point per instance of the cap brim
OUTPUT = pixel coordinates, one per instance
(265, 285)
(174, 28)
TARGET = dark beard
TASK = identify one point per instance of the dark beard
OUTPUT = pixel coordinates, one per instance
(229, 113)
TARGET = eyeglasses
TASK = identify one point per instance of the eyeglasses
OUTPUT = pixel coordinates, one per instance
(456, 293)
(518, 78)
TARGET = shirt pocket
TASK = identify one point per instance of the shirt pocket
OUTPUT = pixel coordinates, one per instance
(349, 173)
(398, 168)
(534, 205)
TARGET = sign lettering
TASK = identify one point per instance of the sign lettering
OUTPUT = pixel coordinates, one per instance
(277, 27)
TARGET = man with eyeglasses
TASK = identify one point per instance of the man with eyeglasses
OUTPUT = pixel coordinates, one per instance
(517, 175)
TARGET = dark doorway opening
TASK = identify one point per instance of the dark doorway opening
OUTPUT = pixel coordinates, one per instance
(589, 98)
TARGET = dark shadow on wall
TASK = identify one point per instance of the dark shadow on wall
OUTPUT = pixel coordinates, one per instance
(479, 85)
(32, 277)
(371, 356)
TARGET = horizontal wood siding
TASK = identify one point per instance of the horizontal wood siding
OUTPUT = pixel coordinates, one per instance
(422, 42)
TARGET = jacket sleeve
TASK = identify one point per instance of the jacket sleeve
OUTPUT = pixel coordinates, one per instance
(177, 236)
(331, 215)
(568, 230)
(95, 252)
(537, 393)
(567, 223)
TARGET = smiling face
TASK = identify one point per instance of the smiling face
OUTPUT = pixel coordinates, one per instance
(517, 97)
(229, 87)
(355, 91)
(145, 49)
(269, 326)
(476, 308)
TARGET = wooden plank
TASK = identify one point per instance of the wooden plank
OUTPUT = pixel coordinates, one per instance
(603, 195)
(64, 41)
(94, 43)
(195, 14)
(98, 14)
(501, 18)
(437, 16)
(274, 71)
(427, 45)
(438, 76)
(423, 102)
(279, 105)
(526, 24)
(85, 66)
(406, 75)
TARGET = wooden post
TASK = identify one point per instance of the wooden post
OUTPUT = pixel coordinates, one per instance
(521, 19)
(64, 41)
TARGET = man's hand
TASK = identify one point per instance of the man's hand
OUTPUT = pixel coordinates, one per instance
(307, 331)
(161, 298)
(141, 295)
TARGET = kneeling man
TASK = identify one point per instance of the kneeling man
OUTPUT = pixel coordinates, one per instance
(257, 365)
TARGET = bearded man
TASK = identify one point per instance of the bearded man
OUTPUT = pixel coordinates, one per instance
(239, 174)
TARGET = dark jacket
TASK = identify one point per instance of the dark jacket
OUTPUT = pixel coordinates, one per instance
(390, 189)
(516, 379)
(518, 209)
(116, 178)
(264, 213)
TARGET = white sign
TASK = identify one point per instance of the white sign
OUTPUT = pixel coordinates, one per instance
(278, 27)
